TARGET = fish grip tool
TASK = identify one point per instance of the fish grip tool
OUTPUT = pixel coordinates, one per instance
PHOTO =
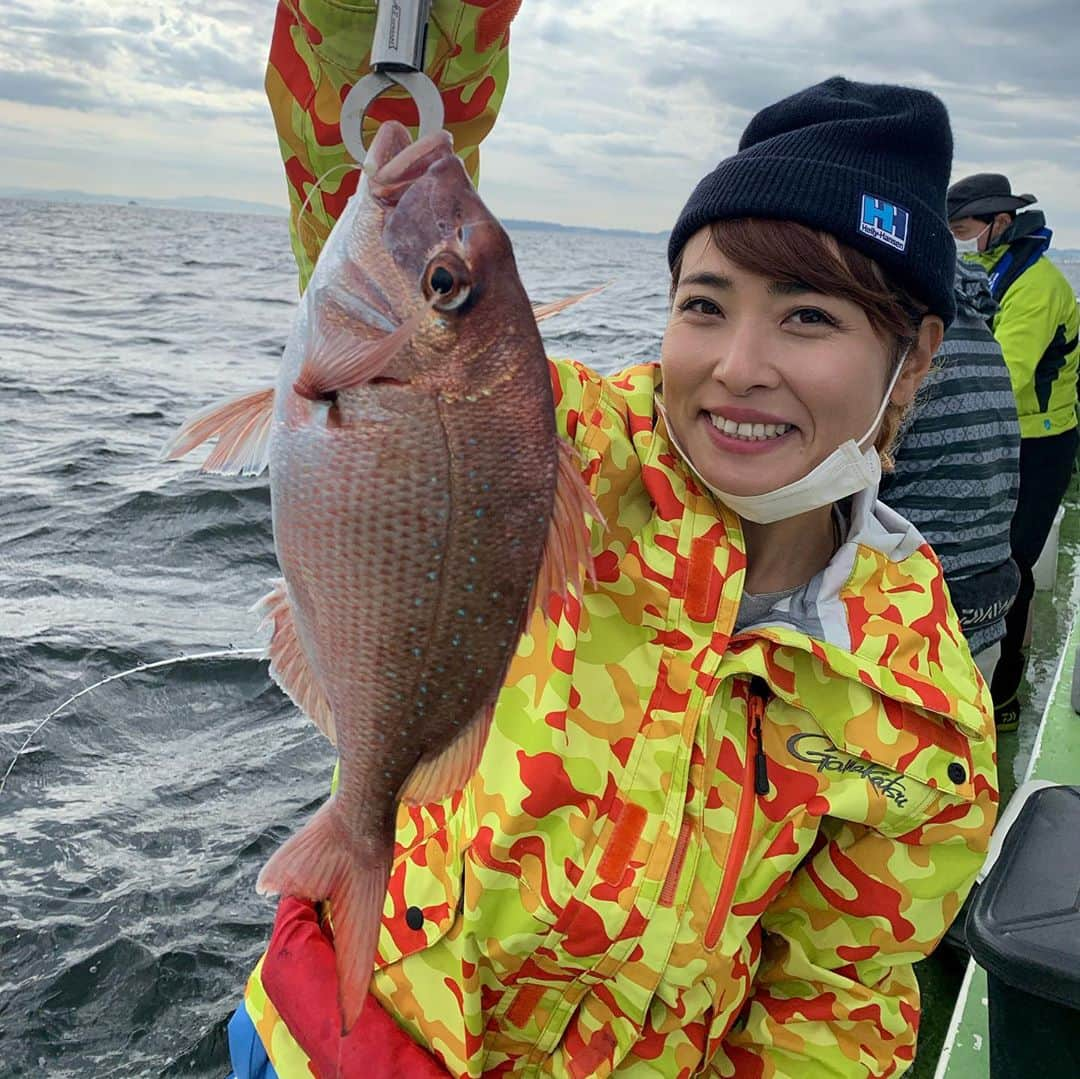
(397, 59)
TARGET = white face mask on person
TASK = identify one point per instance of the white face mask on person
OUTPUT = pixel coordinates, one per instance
(970, 247)
(846, 471)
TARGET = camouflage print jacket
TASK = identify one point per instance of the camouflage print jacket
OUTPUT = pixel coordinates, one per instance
(688, 852)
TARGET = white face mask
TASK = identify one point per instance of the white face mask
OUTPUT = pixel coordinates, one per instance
(847, 470)
(970, 247)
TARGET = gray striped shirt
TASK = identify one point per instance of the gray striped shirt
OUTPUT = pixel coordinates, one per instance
(957, 464)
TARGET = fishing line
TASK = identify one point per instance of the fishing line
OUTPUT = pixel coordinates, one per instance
(115, 677)
(315, 188)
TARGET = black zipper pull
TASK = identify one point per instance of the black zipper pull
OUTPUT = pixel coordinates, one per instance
(759, 696)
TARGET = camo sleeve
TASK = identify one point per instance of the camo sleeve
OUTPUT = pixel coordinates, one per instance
(836, 993)
(320, 48)
(576, 391)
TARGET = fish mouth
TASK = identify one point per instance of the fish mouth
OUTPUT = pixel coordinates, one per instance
(396, 162)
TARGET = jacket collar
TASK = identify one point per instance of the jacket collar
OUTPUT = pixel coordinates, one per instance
(1028, 224)
(1018, 248)
(879, 614)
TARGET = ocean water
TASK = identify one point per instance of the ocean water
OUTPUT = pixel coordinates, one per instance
(133, 827)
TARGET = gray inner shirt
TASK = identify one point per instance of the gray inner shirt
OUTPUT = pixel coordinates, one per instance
(801, 612)
(754, 609)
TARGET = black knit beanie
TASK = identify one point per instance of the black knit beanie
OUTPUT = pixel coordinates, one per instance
(867, 163)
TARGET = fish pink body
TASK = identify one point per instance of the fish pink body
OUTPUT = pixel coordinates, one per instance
(414, 467)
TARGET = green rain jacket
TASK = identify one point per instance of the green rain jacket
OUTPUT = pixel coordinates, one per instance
(1036, 326)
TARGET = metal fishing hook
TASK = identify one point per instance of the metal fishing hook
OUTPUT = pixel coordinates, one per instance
(397, 59)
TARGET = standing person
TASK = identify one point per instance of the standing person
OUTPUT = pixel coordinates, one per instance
(956, 469)
(742, 781)
(1036, 326)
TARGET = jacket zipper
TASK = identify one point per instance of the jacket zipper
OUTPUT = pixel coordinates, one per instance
(755, 706)
(755, 782)
(671, 881)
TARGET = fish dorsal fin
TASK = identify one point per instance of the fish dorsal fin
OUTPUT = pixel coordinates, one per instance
(340, 360)
(242, 427)
(438, 776)
(289, 665)
(567, 556)
(547, 310)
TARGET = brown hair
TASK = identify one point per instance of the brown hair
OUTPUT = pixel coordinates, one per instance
(789, 252)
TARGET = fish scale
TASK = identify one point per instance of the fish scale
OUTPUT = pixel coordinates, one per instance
(365, 572)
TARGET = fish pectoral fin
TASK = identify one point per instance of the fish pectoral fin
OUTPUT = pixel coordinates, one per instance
(567, 555)
(547, 310)
(289, 664)
(439, 775)
(341, 359)
(321, 862)
(242, 427)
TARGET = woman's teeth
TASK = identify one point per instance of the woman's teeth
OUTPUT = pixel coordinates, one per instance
(752, 432)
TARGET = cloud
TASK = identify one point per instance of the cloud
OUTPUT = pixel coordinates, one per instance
(39, 88)
(615, 107)
(118, 57)
(692, 76)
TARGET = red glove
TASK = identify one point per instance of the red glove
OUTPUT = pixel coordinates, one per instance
(299, 975)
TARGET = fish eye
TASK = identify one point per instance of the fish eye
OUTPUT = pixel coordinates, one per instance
(442, 280)
(446, 282)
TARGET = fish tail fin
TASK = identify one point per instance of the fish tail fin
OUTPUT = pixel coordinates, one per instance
(567, 557)
(320, 862)
(242, 427)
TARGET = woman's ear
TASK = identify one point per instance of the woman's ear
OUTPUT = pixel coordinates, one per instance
(917, 363)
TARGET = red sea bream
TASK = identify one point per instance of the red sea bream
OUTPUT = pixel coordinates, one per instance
(422, 503)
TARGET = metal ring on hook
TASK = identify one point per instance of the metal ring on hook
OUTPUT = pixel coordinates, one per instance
(419, 87)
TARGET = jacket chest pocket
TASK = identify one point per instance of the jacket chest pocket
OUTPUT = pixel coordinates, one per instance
(818, 777)
(423, 899)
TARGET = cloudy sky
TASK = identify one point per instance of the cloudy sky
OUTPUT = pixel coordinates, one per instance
(615, 108)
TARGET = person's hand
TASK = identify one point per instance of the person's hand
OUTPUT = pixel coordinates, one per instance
(299, 975)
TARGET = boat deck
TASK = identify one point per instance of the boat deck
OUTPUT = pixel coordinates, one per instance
(954, 1039)
(1055, 759)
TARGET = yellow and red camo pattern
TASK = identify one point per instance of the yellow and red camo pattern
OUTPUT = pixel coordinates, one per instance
(610, 894)
(320, 48)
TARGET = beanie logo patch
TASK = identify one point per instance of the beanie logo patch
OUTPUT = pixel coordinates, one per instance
(884, 221)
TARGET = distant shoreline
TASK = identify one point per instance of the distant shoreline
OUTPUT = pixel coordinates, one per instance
(212, 204)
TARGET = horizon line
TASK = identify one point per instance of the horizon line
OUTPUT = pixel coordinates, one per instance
(229, 204)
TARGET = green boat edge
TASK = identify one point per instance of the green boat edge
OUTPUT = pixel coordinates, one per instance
(954, 1036)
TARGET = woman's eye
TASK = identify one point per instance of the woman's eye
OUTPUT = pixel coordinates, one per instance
(700, 305)
(811, 316)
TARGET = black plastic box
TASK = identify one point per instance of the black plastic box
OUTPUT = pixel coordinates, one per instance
(1024, 930)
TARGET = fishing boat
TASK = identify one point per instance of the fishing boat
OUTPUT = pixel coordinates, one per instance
(954, 1038)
